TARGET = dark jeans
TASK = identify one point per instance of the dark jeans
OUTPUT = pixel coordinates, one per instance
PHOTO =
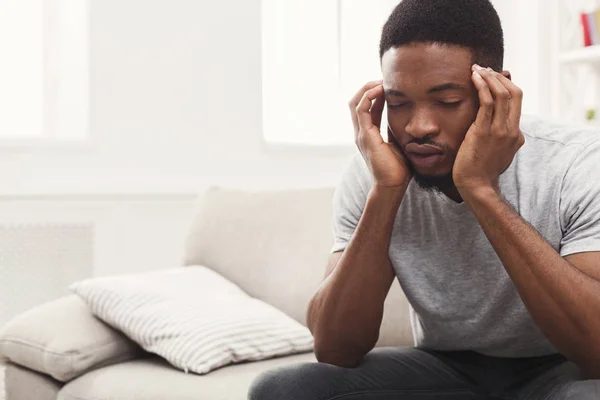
(416, 374)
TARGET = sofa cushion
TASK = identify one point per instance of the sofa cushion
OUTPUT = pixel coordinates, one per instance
(193, 317)
(154, 379)
(63, 339)
(25, 384)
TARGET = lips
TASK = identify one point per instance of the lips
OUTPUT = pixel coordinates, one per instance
(424, 157)
(423, 149)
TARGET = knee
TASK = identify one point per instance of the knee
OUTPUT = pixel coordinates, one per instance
(281, 383)
(265, 385)
(272, 385)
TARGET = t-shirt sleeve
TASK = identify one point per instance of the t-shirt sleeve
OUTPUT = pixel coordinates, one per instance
(349, 202)
(580, 203)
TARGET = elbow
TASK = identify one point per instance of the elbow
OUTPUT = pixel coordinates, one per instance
(342, 360)
(340, 355)
(347, 351)
(590, 366)
(589, 359)
(583, 349)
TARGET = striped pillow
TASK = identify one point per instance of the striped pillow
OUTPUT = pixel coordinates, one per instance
(193, 317)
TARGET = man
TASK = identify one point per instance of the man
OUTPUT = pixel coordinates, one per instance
(490, 222)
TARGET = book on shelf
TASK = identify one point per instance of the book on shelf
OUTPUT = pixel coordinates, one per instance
(597, 18)
(591, 17)
(590, 22)
(587, 40)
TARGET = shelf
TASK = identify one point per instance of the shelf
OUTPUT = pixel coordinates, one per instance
(590, 54)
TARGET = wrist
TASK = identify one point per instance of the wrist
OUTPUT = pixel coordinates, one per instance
(387, 194)
(479, 193)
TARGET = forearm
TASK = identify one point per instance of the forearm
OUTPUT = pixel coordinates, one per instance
(562, 300)
(346, 312)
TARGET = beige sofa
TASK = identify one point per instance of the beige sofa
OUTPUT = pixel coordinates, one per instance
(274, 245)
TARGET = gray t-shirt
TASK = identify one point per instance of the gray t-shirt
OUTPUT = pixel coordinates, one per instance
(460, 294)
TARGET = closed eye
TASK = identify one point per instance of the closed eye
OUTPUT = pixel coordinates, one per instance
(392, 106)
(453, 104)
(441, 103)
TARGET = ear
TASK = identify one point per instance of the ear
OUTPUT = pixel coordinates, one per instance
(507, 74)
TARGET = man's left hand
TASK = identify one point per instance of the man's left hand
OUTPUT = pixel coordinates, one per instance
(494, 138)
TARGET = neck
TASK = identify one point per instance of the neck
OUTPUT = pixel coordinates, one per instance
(443, 184)
(453, 194)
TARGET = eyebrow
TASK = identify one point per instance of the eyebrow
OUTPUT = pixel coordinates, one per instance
(435, 89)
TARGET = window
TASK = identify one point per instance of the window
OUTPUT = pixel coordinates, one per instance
(44, 69)
(316, 55)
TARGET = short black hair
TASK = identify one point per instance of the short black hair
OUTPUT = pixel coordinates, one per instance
(473, 24)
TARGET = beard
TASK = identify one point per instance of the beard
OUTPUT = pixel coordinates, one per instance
(434, 183)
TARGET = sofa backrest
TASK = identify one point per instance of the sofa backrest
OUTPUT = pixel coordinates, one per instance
(275, 246)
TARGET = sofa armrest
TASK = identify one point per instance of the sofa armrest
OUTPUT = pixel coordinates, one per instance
(63, 339)
(24, 384)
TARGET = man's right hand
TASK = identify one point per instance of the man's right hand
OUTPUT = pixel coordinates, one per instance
(387, 163)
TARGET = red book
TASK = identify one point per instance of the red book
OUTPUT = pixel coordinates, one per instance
(587, 37)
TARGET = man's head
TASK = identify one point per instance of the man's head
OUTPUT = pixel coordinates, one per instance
(427, 49)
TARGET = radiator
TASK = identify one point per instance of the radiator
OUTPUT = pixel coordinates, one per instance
(38, 261)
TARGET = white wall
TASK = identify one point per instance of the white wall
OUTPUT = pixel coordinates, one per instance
(528, 50)
(176, 103)
(175, 106)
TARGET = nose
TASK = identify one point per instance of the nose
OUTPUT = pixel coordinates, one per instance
(422, 123)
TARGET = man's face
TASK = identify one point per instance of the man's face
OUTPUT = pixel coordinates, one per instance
(431, 104)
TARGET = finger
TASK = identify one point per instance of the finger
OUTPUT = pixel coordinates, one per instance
(501, 95)
(356, 99)
(486, 103)
(377, 111)
(391, 138)
(397, 151)
(395, 146)
(516, 102)
(363, 111)
(359, 95)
